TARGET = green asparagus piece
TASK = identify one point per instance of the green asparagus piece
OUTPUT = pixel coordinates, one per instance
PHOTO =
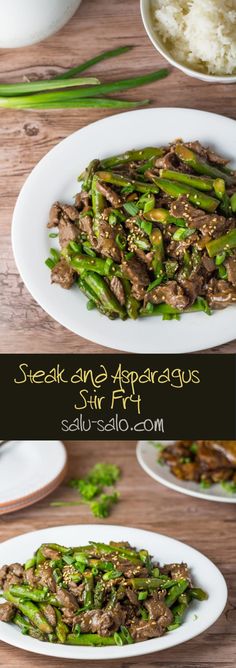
(200, 165)
(108, 300)
(132, 304)
(27, 628)
(91, 639)
(62, 629)
(124, 552)
(129, 156)
(175, 592)
(83, 263)
(99, 593)
(88, 592)
(198, 593)
(219, 188)
(164, 217)
(149, 583)
(30, 593)
(233, 202)
(158, 246)
(119, 180)
(165, 309)
(87, 177)
(179, 611)
(93, 61)
(223, 243)
(30, 610)
(191, 180)
(174, 189)
(96, 301)
(98, 200)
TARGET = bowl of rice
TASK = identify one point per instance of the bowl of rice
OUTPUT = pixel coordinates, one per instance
(197, 36)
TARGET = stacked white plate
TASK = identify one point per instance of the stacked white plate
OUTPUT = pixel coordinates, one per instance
(29, 470)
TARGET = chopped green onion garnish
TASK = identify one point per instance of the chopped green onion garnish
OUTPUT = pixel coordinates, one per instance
(131, 208)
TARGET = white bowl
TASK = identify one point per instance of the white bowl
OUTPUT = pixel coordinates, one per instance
(25, 22)
(145, 6)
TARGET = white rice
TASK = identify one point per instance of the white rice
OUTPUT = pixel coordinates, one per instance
(198, 33)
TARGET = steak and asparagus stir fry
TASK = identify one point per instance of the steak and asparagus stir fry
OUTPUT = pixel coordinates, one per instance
(98, 594)
(206, 462)
(152, 232)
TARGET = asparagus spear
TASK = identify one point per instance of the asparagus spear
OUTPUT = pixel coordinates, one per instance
(139, 154)
(98, 200)
(158, 246)
(191, 180)
(92, 639)
(27, 628)
(165, 309)
(119, 180)
(223, 243)
(30, 593)
(62, 629)
(175, 592)
(83, 263)
(88, 591)
(104, 294)
(201, 199)
(31, 611)
(200, 165)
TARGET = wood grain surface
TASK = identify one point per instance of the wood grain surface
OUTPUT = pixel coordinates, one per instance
(25, 137)
(207, 526)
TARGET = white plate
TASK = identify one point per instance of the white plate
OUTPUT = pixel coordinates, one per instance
(147, 455)
(199, 617)
(54, 178)
(30, 477)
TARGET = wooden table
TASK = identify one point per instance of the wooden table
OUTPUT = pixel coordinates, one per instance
(207, 526)
(26, 136)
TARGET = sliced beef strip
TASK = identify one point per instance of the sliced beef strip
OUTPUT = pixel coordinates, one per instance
(136, 272)
(158, 610)
(132, 596)
(10, 580)
(3, 574)
(231, 269)
(192, 286)
(177, 249)
(211, 459)
(54, 215)
(105, 623)
(76, 590)
(208, 264)
(50, 614)
(67, 232)
(109, 194)
(106, 243)
(180, 571)
(66, 598)
(169, 293)
(70, 211)
(7, 612)
(49, 553)
(118, 290)
(207, 153)
(209, 223)
(220, 293)
(45, 576)
(86, 226)
(30, 577)
(63, 274)
(143, 630)
(16, 569)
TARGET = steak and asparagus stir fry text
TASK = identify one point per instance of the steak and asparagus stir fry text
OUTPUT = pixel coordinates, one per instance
(206, 462)
(97, 594)
(152, 232)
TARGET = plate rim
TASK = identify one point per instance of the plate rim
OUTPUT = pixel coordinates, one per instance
(135, 647)
(91, 332)
(174, 486)
(43, 491)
